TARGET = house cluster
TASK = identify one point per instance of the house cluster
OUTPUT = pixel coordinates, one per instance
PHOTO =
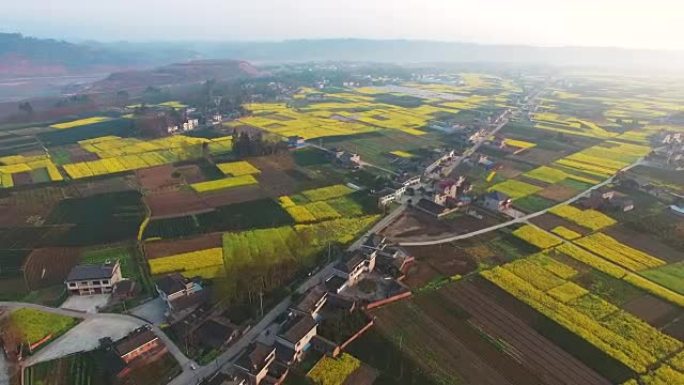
(671, 154)
(189, 125)
(389, 195)
(445, 196)
(606, 199)
(299, 328)
(348, 159)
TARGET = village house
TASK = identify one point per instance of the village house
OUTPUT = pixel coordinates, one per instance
(312, 302)
(496, 201)
(255, 362)
(294, 337)
(216, 333)
(125, 289)
(604, 199)
(348, 159)
(354, 265)
(180, 293)
(141, 343)
(394, 261)
(295, 141)
(93, 278)
(430, 207)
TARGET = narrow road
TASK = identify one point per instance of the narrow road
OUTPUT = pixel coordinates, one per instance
(525, 218)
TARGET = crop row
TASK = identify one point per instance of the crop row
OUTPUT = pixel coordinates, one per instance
(618, 272)
(619, 253)
(194, 260)
(619, 334)
(536, 236)
(591, 219)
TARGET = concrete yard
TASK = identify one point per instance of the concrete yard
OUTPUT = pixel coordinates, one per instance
(84, 337)
(151, 311)
(86, 303)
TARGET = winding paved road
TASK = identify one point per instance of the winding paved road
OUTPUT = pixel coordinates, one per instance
(525, 218)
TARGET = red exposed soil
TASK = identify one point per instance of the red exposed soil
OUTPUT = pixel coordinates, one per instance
(50, 266)
(157, 179)
(165, 248)
(175, 203)
(548, 361)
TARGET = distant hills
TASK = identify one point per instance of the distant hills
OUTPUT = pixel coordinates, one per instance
(175, 74)
(407, 51)
(31, 57)
(26, 56)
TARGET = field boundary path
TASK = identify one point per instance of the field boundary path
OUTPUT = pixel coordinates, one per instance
(452, 238)
(183, 361)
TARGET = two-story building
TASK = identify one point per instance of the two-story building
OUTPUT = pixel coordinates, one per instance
(355, 265)
(93, 278)
(312, 302)
(179, 293)
(140, 343)
(255, 362)
(295, 337)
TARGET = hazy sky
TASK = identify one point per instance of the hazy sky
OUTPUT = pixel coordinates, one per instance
(621, 23)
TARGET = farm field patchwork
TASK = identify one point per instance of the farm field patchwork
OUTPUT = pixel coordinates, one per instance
(620, 335)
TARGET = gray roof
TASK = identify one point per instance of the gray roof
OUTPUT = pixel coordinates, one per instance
(88, 272)
(297, 327)
(172, 283)
(497, 195)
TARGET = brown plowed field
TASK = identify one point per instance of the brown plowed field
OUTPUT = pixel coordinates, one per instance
(165, 248)
(442, 343)
(548, 361)
(50, 266)
(175, 204)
